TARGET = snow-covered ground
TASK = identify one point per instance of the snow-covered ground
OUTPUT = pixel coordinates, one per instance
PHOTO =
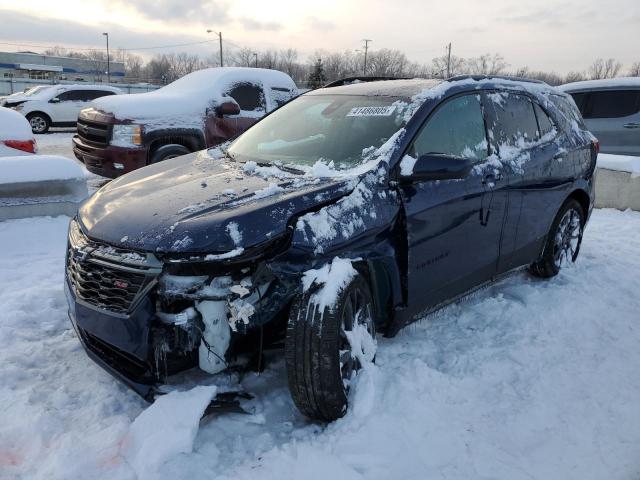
(527, 379)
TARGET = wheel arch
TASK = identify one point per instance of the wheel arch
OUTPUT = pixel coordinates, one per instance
(38, 112)
(191, 141)
(582, 197)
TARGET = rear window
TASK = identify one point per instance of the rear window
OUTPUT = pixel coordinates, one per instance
(516, 120)
(612, 104)
(248, 96)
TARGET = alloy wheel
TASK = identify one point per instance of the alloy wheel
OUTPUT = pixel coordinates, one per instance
(567, 239)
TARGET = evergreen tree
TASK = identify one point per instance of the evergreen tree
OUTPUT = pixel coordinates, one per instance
(316, 76)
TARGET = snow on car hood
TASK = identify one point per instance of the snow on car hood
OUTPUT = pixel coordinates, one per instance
(193, 204)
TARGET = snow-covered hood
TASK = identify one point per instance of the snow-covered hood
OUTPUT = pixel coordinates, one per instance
(151, 106)
(200, 205)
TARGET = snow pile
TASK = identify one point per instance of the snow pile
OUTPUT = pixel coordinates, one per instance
(406, 165)
(526, 379)
(38, 168)
(621, 163)
(332, 278)
(13, 126)
(165, 429)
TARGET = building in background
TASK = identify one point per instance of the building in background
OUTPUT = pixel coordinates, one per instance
(35, 66)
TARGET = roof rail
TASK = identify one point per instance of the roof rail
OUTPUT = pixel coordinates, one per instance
(358, 79)
(496, 77)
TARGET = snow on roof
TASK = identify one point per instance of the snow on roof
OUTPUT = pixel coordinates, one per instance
(37, 168)
(13, 126)
(190, 95)
(606, 83)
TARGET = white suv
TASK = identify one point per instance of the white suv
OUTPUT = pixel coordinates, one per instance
(59, 105)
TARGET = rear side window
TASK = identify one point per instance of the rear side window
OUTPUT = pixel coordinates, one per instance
(456, 129)
(248, 95)
(544, 122)
(516, 120)
(568, 110)
(612, 104)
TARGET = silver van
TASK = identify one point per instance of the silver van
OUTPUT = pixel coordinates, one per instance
(611, 110)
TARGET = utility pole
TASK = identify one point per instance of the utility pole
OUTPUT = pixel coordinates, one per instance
(449, 60)
(255, 54)
(366, 49)
(106, 34)
(220, 39)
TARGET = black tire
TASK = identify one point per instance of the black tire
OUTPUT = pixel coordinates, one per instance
(40, 122)
(165, 152)
(563, 241)
(318, 366)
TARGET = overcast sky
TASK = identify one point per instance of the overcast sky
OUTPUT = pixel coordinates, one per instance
(543, 34)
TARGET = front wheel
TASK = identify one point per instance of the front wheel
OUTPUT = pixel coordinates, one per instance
(563, 242)
(324, 349)
(39, 122)
(165, 152)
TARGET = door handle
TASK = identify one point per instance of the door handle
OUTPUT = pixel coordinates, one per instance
(631, 125)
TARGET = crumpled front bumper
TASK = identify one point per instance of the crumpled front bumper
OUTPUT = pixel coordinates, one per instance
(119, 344)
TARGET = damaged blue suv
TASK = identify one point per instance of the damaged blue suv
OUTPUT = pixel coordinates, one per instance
(348, 212)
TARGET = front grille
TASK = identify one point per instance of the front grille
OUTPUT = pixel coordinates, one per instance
(106, 277)
(103, 286)
(94, 133)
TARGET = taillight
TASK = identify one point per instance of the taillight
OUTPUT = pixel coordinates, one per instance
(28, 146)
(596, 146)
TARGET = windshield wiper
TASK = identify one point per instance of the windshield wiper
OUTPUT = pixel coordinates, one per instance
(284, 168)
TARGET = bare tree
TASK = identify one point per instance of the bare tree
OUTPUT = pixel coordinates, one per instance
(439, 66)
(604, 69)
(634, 71)
(244, 57)
(574, 77)
(487, 64)
(133, 66)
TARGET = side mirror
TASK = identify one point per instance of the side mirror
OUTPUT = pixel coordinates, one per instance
(54, 100)
(438, 166)
(227, 108)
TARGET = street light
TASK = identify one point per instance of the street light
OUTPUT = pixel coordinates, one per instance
(106, 34)
(220, 38)
(255, 54)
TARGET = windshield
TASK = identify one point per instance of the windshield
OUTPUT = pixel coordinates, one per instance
(34, 90)
(330, 128)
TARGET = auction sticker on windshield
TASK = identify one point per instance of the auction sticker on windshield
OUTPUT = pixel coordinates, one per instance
(371, 111)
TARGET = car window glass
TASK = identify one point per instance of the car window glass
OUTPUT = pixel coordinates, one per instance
(568, 109)
(456, 129)
(544, 122)
(516, 120)
(612, 104)
(67, 96)
(248, 95)
(280, 95)
(581, 101)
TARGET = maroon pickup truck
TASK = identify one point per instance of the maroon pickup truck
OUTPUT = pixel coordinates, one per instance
(121, 133)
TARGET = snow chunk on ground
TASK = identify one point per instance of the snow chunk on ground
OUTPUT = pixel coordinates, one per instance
(332, 278)
(165, 429)
(621, 163)
(38, 168)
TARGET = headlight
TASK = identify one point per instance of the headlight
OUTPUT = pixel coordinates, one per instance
(126, 135)
(17, 108)
(76, 237)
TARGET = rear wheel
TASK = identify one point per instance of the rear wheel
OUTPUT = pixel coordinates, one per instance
(563, 242)
(166, 152)
(39, 122)
(325, 349)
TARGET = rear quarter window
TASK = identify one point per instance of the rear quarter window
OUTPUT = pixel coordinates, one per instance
(545, 124)
(568, 110)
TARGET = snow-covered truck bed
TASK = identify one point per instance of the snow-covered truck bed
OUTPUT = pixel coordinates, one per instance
(523, 380)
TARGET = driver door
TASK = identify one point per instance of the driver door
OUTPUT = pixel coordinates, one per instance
(453, 226)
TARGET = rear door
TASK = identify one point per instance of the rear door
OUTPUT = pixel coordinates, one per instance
(540, 170)
(252, 101)
(613, 116)
(453, 226)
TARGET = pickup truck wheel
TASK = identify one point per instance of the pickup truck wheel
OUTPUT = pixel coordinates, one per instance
(563, 242)
(39, 122)
(324, 349)
(165, 152)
